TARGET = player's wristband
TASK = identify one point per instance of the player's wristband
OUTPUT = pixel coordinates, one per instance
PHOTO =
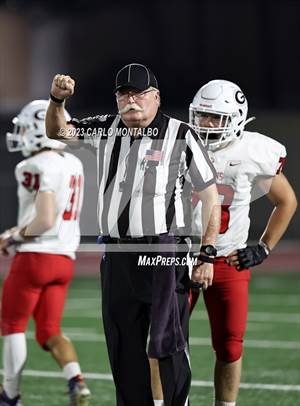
(56, 100)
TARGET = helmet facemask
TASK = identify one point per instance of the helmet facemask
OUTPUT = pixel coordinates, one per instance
(225, 128)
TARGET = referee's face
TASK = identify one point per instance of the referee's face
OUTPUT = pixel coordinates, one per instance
(138, 109)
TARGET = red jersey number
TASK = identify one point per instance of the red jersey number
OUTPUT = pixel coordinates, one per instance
(72, 209)
(31, 181)
(227, 193)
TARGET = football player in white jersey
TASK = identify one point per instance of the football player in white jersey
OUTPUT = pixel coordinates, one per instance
(50, 193)
(243, 160)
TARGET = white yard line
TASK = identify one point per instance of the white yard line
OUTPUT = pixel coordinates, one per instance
(108, 377)
(259, 317)
(90, 336)
(267, 344)
(273, 299)
(90, 308)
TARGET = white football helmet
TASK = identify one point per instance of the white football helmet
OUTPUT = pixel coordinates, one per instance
(29, 133)
(228, 105)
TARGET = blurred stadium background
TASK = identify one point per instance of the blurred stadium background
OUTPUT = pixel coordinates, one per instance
(255, 44)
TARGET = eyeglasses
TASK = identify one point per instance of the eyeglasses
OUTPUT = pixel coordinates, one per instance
(136, 96)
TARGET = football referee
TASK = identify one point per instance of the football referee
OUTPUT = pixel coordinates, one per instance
(148, 164)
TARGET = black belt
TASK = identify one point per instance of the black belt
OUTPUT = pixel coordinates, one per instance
(137, 240)
(130, 240)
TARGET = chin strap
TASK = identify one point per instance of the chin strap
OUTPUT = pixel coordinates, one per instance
(249, 120)
(240, 132)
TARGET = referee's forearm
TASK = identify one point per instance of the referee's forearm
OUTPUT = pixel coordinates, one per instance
(56, 124)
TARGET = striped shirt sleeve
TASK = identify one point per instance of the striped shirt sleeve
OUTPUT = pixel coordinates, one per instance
(200, 169)
(91, 129)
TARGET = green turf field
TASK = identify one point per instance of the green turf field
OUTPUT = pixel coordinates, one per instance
(271, 375)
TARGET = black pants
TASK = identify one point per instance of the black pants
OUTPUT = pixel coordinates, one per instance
(126, 306)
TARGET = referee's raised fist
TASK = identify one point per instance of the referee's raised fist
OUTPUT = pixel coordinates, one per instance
(62, 86)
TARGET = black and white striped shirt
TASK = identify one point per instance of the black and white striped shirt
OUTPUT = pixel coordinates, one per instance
(145, 182)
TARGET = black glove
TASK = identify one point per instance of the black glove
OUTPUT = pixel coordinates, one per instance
(251, 256)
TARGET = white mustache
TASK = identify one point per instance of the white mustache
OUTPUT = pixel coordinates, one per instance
(130, 106)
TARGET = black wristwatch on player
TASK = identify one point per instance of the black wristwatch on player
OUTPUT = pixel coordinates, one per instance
(208, 250)
(207, 254)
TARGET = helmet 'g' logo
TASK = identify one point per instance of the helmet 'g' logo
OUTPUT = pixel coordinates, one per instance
(240, 97)
(40, 114)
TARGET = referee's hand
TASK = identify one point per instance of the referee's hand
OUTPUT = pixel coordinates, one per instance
(62, 86)
(204, 274)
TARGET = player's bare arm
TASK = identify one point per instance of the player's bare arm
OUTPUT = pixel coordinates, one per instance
(56, 126)
(282, 196)
(211, 217)
(44, 220)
